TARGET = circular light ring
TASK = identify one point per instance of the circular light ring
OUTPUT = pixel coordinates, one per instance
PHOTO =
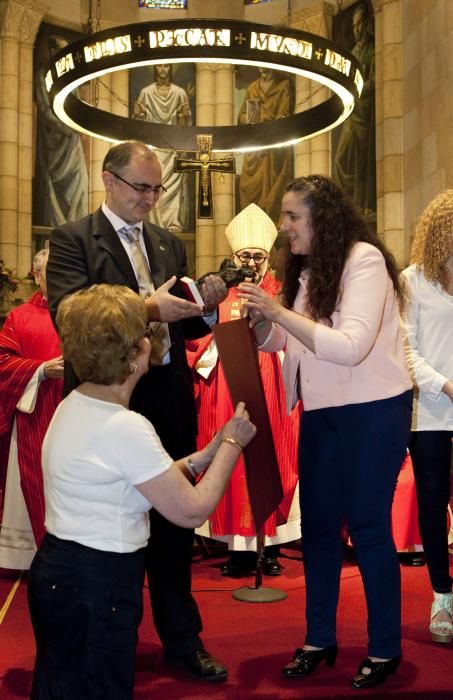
(204, 41)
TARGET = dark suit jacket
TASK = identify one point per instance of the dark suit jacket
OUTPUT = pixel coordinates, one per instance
(89, 251)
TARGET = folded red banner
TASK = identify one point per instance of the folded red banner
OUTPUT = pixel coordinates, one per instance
(239, 357)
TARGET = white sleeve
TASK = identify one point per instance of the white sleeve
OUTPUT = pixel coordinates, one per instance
(424, 376)
(137, 450)
(27, 401)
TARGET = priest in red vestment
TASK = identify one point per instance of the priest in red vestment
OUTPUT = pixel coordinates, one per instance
(31, 371)
(251, 235)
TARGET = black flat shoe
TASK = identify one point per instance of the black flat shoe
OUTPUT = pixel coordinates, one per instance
(272, 567)
(379, 672)
(305, 661)
(201, 665)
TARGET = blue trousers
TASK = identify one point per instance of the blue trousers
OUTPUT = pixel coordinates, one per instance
(86, 606)
(349, 460)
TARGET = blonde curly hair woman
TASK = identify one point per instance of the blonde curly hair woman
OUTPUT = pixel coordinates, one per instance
(428, 321)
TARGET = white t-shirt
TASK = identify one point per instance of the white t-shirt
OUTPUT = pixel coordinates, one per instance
(93, 454)
(428, 334)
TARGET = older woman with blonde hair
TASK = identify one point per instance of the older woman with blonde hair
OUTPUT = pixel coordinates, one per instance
(104, 465)
(428, 321)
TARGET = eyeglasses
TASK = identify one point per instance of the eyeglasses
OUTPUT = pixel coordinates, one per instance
(141, 188)
(258, 258)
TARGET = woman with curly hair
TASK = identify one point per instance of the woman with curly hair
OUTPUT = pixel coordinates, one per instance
(345, 358)
(428, 324)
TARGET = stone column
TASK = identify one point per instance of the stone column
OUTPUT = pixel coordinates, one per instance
(312, 156)
(223, 184)
(29, 26)
(101, 92)
(99, 147)
(389, 134)
(19, 22)
(119, 96)
(302, 154)
(205, 229)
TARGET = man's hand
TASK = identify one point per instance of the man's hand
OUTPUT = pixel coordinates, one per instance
(53, 369)
(213, 291)
(163, 306)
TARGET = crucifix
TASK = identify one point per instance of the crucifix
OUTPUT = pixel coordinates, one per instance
(204, 165)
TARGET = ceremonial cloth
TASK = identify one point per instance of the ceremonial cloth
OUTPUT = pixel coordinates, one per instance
(233, 514)
(27, 340)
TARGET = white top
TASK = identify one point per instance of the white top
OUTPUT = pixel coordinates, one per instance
(428, 329)
(93, 454)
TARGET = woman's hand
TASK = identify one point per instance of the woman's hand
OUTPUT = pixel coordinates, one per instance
(448, 389)
(239, 428)
(211, 448)
(261, 304)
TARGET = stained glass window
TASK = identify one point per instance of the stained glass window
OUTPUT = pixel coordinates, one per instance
(164, 4)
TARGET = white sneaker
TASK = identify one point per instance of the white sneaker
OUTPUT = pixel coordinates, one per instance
(441, 628)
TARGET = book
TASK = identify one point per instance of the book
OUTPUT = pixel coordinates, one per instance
(191, 291)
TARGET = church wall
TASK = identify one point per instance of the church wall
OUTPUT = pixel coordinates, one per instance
(414, 103)
(427, 103)
(16, 231)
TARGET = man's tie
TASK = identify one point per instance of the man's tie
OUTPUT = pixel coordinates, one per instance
(142, 272)
(159, 333)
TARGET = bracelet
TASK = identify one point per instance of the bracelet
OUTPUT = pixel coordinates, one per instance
(191, 468)
(232, 441)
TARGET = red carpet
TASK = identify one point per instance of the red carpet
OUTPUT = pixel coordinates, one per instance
(256, 640)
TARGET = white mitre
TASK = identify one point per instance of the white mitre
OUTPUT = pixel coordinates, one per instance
(251, 228)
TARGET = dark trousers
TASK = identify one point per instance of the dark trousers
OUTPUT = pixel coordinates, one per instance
(167, 401)
(349, 460)
(86, 606)
(431, 457)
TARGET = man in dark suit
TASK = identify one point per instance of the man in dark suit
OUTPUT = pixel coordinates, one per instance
(98, 249)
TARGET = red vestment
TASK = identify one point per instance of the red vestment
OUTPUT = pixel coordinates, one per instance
(233, 514)
(405, 510)
(27, 339)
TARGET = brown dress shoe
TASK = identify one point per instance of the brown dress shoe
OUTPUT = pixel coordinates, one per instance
(201, 665)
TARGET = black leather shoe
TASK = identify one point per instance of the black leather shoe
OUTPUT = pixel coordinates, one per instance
(411, 558)
(237, 566)
(305, 661)
(201, 665)
(379, 671)
(272, 567)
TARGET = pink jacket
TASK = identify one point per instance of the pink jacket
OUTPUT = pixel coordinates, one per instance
(360, 357)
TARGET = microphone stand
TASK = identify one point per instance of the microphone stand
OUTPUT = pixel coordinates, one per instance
(259, 594)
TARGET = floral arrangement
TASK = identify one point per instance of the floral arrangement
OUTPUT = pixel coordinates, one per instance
(8, 280)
